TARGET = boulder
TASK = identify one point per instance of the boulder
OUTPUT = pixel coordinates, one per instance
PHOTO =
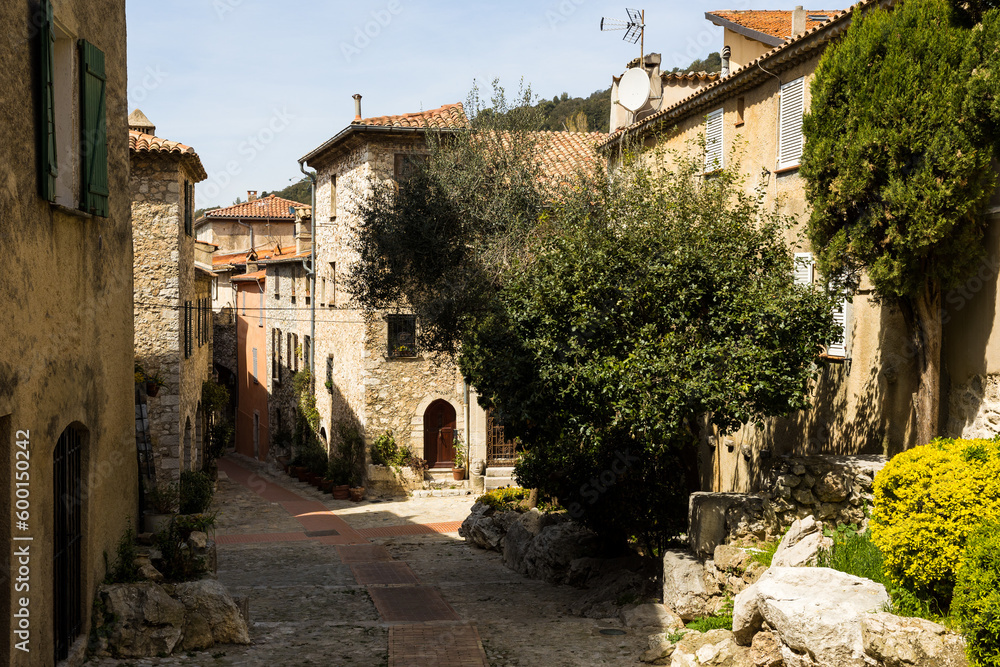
(548, 556)
(713, 518)
(659, 651)
(212, 617)
(715, 648)
(815, 612)
(731, 559)
(801, 544)
(831, 488)
(765, 651)
(651, 615)
(910, 642)
(141, 620)
(684, 585)
(522, 532)
(197, 540)
(599, 600)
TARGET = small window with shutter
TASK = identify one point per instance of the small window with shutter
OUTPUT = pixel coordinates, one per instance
(791, 105)
(804, 267)
(188, 208)
(713, 141)
(838, 346)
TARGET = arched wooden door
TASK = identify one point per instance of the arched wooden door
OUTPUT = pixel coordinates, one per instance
(439, 434)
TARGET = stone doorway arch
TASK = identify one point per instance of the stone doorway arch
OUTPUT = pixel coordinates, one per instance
(439, 434)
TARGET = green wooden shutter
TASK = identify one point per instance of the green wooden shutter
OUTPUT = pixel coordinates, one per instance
(47, 154)
(93, 131)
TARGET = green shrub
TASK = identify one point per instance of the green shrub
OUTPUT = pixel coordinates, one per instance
(179, 562)
(976, 605)
(124, 570)
(505, 499)
(352, 451)
(928, 500)
(720, 621)
(764, 553)
(196, 492)
(161, 498)
(385, 451)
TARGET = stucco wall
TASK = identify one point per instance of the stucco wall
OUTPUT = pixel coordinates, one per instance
(66, 298)
(253, 395)
(233, 237)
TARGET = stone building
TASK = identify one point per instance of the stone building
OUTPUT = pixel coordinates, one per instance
(862, 403)
(173, 308)
(259, 222)
(369, 368)
(67, 425)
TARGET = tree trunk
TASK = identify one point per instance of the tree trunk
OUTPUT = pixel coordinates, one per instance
(923, 318)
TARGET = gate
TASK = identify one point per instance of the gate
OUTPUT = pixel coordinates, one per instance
(499, 450)
(68, 537)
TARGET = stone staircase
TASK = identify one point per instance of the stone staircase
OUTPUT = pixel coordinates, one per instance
(498, 477)
(442, 478)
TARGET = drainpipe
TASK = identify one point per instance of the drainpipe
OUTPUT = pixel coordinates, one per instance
(311, 271)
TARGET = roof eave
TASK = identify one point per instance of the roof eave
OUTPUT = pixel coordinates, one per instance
(757, 35)
(368, 129)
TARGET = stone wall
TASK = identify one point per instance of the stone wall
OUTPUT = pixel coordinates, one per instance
(377, 392)
(164, 280)
(974, 408)
(834, 489)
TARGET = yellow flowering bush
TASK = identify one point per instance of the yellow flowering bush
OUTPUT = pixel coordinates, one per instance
(504, 499)
(928, 500)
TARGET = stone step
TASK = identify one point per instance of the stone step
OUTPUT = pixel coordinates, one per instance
(491, 483)
(498, 471)
(440, 493)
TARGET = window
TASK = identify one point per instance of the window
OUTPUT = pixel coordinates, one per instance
(200, 322)
(254, 375)
(790, 108)
(402, 335)
(275, 347)
(277, 355)
(73, 159)
(188, 208)
(215, 288)
(291, 354)
(740, 108)
(306, 351)
(333, 196)
(308, 282)
(329, 372)
(713, 141)
(322, 291)
(332, 302)
(277, 283)
(260, 308)
(406, 165)
(838, 346)
(188, 346)
(804, 267)
(295, 279)
(296, 351)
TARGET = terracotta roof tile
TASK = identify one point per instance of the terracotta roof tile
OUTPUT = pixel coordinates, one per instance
(776, 23)
(564, 153)
(256, 275)
(147, 143)
(667, 77)
(450, 116)
(240, 258)
(271, 207)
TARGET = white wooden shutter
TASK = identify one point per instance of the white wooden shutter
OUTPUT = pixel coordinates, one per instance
(838, 346)
(713, 141)
(791, 105)
(804, 264)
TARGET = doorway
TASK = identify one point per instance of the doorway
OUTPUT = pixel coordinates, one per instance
(69, 498)
(439, 434)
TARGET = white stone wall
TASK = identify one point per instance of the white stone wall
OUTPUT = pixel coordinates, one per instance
(974, 408)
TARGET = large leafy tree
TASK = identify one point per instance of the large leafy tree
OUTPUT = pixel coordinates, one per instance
(898, 163)
(609, 322)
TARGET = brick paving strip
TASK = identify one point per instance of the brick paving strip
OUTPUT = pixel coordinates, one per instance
(425, 630)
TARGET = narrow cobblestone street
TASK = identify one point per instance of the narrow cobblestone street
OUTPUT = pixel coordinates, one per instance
(381, 583)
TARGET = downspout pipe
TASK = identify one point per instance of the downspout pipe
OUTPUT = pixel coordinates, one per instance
(311, 270)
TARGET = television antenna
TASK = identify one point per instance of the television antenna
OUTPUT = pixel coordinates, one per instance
(635, 28)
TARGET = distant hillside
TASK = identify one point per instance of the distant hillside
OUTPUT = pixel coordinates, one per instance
(713, 63)
(296, 192)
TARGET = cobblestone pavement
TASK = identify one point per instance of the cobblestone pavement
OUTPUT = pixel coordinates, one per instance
(455, 605)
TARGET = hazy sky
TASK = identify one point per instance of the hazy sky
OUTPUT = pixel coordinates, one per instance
(253, 85)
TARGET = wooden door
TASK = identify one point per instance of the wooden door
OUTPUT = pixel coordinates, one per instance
(439, 434)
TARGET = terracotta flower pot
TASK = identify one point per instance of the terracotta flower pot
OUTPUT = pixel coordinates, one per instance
(458, 473)
(152, 389)
(357, 494)
(341, 492)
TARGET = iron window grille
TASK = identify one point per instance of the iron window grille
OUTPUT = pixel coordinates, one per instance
(402, 335)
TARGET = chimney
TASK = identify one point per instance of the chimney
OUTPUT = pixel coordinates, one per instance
(798, 21)
(357, 108)
(726, 54)
(251, 195)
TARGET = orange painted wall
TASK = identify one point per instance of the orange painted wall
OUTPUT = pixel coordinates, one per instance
(251, 324)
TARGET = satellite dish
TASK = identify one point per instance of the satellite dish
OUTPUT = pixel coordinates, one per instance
(633, 89)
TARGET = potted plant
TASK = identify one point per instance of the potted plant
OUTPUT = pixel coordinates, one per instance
(161, 505)
(339, 476)
(153, 384)
(458, 471)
